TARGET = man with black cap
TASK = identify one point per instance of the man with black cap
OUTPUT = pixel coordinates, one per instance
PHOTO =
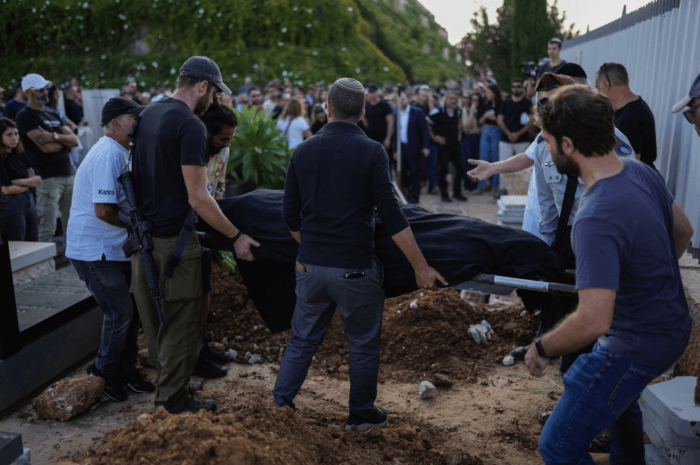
(94, 246)
(18, 101)
(170, 156)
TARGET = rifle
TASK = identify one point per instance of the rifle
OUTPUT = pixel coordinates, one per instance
(140, 239)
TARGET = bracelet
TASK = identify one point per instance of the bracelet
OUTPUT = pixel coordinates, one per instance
(235, 238)
(540, 349)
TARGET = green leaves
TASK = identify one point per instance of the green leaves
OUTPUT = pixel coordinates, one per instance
(258, 152)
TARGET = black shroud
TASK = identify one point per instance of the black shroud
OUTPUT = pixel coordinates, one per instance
(459, 248)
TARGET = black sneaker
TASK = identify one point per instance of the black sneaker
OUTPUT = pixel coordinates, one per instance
(519, 352)
(445, 199)
(137, 383)
(542, 419)
(197, 404)
(205, 368)
(114, 387)
(218, 356)
(459, 197)
(194, 386)
(377, 418)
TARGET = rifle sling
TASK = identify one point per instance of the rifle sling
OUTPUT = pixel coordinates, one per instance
(180, 245)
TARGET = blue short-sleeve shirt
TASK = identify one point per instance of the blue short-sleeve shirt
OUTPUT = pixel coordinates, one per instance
(623, 237)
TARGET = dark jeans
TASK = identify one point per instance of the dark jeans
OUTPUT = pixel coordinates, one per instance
(411, 172)
(20, 217)
(108, 281)
(470, 147)
(451, 152)
(361, 303)
(430, 166)
(601, 391)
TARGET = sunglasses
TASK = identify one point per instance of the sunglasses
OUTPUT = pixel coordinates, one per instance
(543, 104)
(605, 72)
(690, 114)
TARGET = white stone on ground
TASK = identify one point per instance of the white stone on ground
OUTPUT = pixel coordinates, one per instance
(426, 390)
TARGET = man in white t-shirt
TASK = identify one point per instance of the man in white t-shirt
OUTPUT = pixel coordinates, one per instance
(94, 246)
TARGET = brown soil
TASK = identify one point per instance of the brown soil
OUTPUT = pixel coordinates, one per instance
(261, 433)
(432, 338)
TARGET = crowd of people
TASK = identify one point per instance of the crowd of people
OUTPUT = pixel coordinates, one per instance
(629, 323)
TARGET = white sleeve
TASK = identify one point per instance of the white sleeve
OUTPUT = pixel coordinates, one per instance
(531, 151)
(303, 125)
(104, 180)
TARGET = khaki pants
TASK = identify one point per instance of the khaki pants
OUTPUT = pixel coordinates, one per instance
(52, 195)
(175, 353)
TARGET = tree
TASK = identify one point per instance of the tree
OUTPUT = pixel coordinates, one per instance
(502, 46)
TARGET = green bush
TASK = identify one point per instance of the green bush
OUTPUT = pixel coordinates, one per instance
(104, 41)
(259, 152)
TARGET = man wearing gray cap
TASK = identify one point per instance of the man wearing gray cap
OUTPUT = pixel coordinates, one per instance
(170, 156)
(334, 181)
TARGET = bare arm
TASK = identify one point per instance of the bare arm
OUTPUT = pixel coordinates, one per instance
(297, 236)
(485, 170)
(425, 275)
(591, 319)
(13, 190)
(501, 121)
(205, 205)
(525, 129)
(683, 230)
(307, 134)
(109, 213)
(68, 139)
(44, 140)
(28, 182)
(390, 130)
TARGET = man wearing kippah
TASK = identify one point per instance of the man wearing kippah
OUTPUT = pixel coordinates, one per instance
(334, 182)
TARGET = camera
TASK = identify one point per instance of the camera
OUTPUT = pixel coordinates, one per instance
(529, 68)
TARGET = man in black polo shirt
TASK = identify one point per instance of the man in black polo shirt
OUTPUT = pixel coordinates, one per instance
(632, 114)
(334, 181)
(170, 156)
(444, 121)
(47, 141)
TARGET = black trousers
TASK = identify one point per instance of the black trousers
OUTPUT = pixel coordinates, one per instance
(450, 153)
(411, 172)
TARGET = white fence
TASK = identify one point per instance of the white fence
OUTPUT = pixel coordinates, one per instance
(660, 47)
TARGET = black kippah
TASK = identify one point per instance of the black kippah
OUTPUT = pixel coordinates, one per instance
(350, 85)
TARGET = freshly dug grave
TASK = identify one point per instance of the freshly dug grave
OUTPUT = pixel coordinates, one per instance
(432, 338)
(261, 433)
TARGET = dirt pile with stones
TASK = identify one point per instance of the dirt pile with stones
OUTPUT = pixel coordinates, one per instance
(430, 337)
(261, 433)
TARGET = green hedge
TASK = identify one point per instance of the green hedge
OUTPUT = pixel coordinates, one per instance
(104, 41)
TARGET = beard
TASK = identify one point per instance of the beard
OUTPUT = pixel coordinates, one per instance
(565, 164)
(203, 103)
(41, 100)
(517, 93)
(213, 150)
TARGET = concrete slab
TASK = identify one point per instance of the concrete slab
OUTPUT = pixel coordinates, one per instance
(10, 447)
(653, 420)
(673, 402)
(24, 254)
(674, 455)
(653, 457)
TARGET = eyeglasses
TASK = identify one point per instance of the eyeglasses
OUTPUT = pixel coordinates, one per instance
(543, 104)
(605, 72)
(690, 114)
(325, 107)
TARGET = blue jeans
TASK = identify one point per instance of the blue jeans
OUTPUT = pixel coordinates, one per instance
(601, 390)
(488, 151)
(20, 217)
(108, 282)
(470, 147)
(361, 304)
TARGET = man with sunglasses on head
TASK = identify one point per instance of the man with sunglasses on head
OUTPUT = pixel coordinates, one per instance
(47, 141)
(632, 114)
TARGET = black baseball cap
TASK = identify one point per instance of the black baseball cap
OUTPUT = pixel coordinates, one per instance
(118, 106)
(694, 92)
(204, 68)
(372, 88)
(572, 70)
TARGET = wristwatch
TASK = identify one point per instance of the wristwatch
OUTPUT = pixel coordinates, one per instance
(55, 135)
(540, 349)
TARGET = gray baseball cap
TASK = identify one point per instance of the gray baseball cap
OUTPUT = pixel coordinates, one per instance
(693, 93)
(204, 68)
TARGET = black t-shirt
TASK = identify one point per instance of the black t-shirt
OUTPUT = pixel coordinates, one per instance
(547, 68)
(317, 126)
(51, 165)
(445, 124)
(488, 107)
(376, 120)
(74, 112)
(13, 107)
(14, 166)
(512, 116)
(277, 111)
(636, 121)
(169, 136)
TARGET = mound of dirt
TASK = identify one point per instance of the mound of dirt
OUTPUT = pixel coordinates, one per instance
(261, 433)
(430, 338)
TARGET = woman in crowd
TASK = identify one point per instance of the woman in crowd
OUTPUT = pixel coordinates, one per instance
(472, 134)
(491, 133)
(322, 96)
(320, 119)
(16, 177)
(293, 124)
